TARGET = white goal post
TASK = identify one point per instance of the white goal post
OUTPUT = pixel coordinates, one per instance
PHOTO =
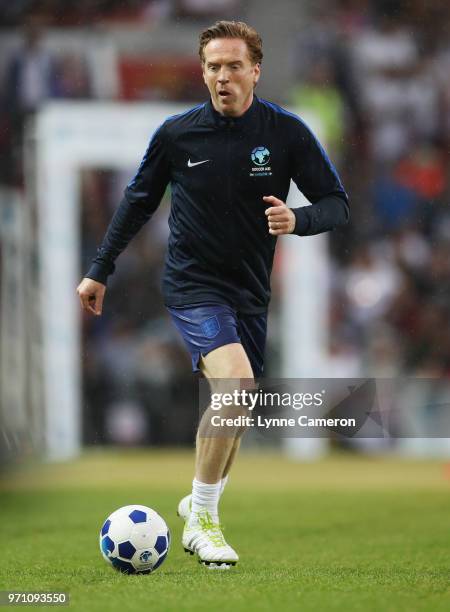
(72, 136)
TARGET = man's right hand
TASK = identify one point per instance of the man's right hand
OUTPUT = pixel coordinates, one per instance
(91, 294)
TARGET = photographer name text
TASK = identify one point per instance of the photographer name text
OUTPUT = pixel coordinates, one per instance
(270, 422)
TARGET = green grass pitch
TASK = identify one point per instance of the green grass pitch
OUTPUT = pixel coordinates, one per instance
(346, 533)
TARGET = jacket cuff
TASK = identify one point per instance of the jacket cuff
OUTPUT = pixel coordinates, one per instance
(301, 221)
(99, 272)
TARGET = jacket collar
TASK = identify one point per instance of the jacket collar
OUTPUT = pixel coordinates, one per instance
(245, 120)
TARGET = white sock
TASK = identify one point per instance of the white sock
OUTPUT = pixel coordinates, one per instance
(205, 497)
(223, 483)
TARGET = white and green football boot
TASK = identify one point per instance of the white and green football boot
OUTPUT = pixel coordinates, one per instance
(203, 537)
(184, 507)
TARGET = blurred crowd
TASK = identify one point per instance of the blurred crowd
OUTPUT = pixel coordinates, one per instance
(69, 13)
(377, 74)
(137, 376)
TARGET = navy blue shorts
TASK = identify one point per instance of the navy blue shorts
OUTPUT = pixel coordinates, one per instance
(205, 327)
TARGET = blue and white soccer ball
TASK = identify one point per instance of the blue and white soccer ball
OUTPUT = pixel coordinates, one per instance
(135, 540)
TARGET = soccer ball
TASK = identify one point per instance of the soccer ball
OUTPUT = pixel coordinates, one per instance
(134, 540)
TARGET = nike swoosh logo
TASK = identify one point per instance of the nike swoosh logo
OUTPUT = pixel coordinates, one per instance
(192, 164)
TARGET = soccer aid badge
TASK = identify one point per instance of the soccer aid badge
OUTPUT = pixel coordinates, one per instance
(260, 157)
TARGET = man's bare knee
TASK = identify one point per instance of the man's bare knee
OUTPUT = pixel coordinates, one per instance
(227, 361)
(227, 368)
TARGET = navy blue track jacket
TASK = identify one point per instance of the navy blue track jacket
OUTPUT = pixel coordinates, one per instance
(219, 169)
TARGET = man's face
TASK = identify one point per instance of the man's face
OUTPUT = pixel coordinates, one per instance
(229, 75)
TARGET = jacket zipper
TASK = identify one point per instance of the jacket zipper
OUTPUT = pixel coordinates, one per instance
(234, 258)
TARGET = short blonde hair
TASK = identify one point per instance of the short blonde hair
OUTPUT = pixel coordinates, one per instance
(233, 29)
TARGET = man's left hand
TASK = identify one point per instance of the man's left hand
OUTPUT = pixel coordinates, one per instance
(280, 217)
